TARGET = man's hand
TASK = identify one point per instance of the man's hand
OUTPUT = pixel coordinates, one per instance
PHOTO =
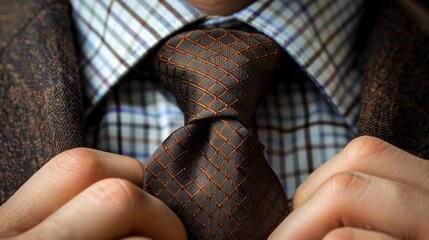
(87, 194)
(371, 190)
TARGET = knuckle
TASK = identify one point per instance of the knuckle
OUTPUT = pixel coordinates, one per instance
(120, 194)
(361, 148)
(298, 197)
(80, 163)
(364, 146)
(343, 184)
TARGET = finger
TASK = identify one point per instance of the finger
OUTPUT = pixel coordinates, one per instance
(356, 234)
(355, 200)
(111, 209)
(372, 156)
(60, 180)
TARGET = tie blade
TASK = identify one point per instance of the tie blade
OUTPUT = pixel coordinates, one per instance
(220, 189)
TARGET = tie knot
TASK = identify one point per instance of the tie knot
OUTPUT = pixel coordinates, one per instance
(218, 72)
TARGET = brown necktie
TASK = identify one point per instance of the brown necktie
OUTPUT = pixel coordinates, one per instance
(212, 171)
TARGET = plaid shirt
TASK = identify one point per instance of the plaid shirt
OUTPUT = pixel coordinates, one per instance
(302, 123)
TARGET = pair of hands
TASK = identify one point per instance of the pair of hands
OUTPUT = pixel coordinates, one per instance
(370, 190)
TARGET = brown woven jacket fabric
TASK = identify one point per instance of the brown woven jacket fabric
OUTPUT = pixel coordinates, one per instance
(40, 98)
(395, 95)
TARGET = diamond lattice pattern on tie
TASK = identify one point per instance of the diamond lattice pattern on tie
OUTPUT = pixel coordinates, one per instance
(212, 171)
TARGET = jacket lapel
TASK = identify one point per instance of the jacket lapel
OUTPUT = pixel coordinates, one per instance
(395, 99)
(40, 99)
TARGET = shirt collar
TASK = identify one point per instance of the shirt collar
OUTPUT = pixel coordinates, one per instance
(114, 35)
(320, 36)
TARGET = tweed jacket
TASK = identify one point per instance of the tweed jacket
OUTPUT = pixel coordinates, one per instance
(41, 111)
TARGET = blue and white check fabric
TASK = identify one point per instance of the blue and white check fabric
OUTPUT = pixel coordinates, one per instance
(303, 122)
